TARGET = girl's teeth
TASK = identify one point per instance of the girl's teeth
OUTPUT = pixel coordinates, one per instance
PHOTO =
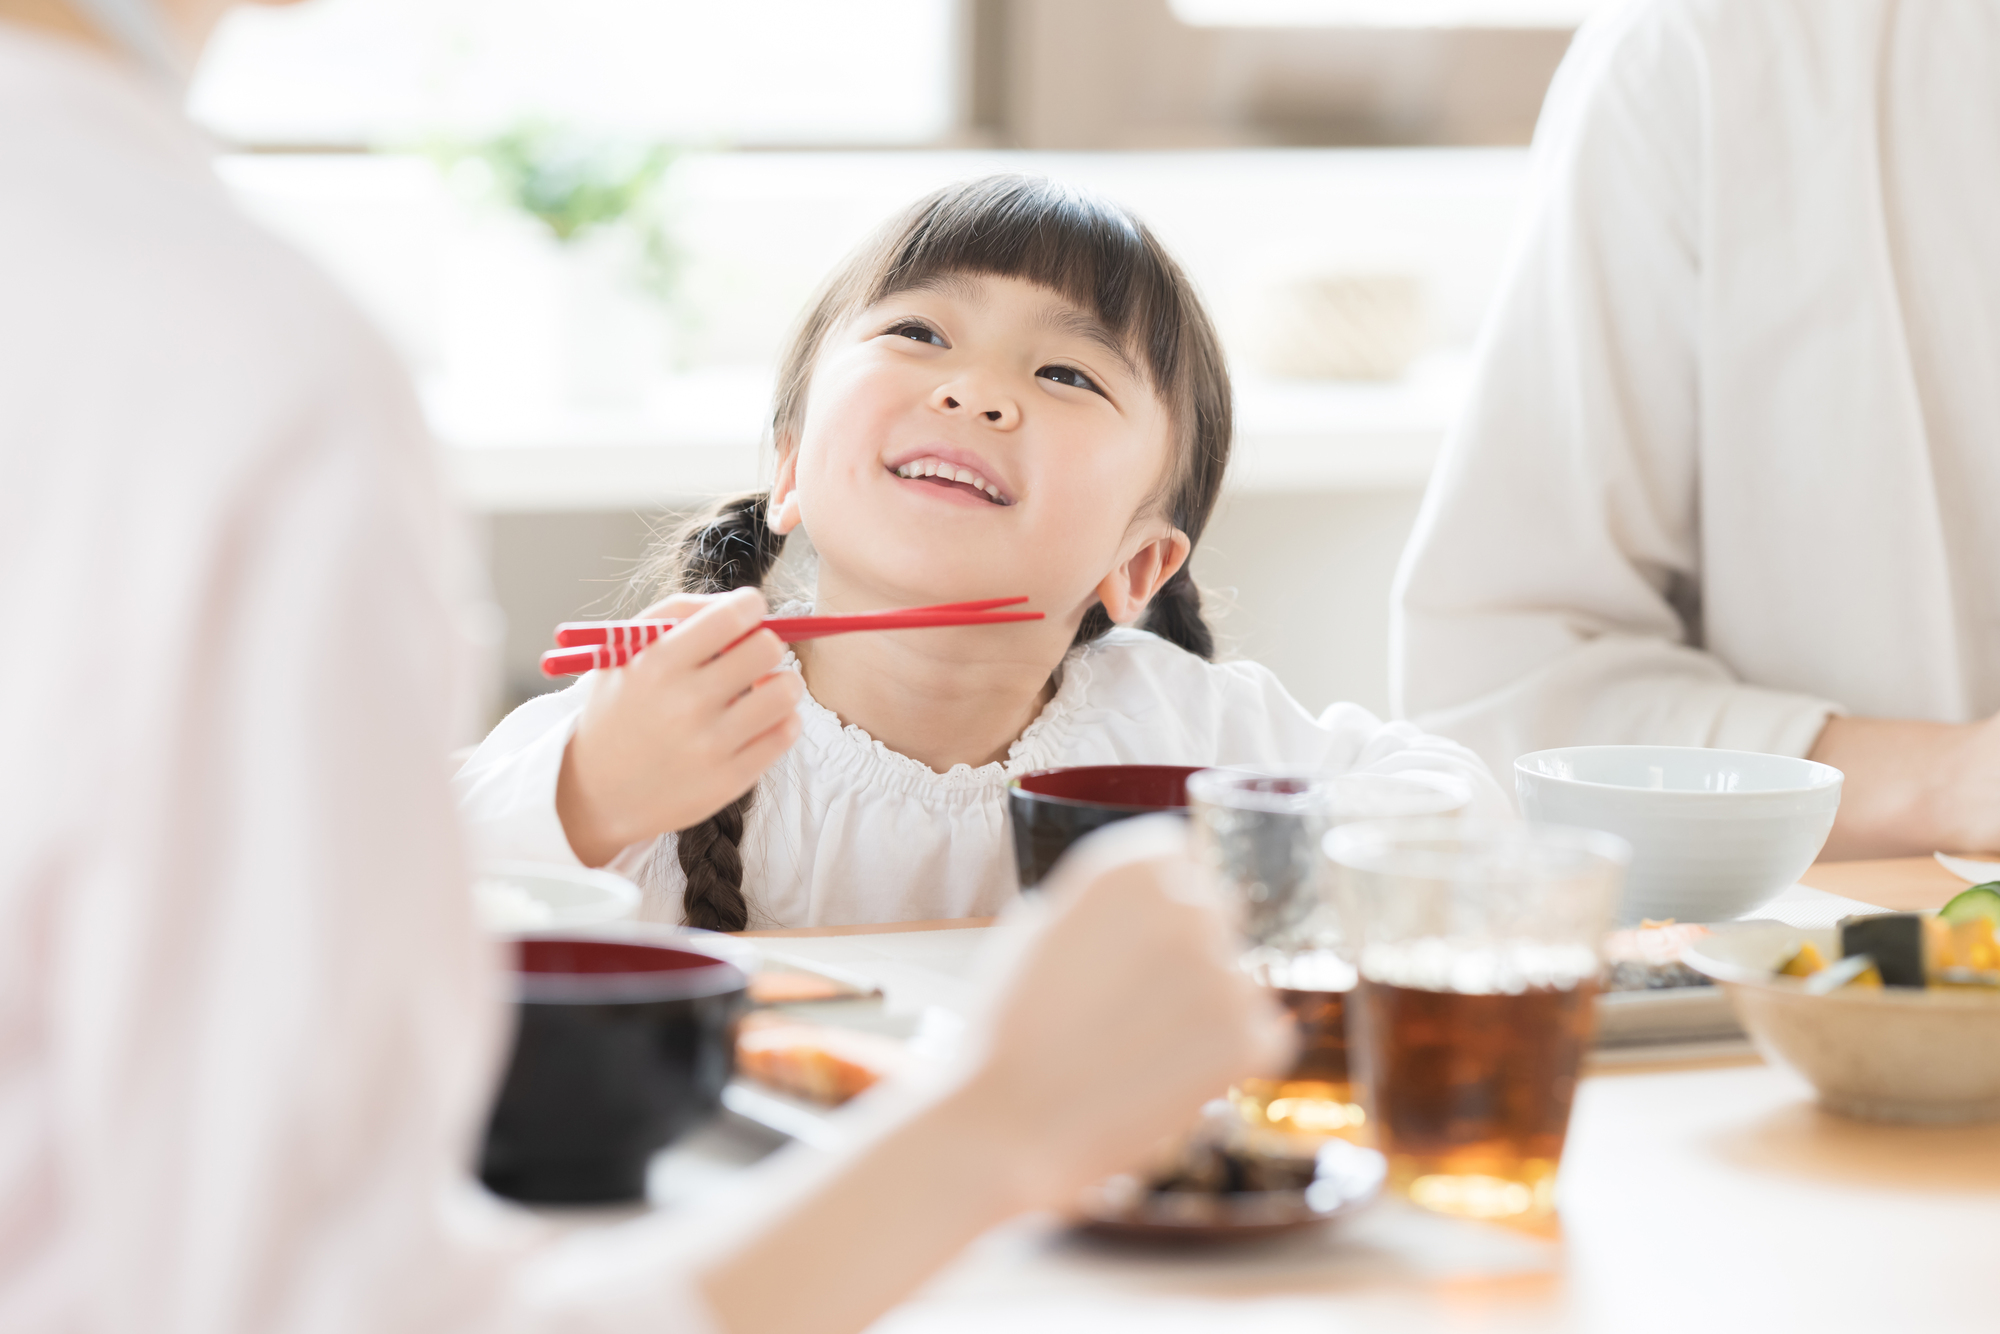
(937, 468)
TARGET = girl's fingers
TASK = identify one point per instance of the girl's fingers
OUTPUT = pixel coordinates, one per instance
(767, 703)
(717, 625)
(739, 667)
(763, 750)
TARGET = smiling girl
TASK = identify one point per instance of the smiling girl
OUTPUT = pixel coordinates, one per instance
(1012, 389)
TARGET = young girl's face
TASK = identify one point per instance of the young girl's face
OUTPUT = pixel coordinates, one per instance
(981, 437)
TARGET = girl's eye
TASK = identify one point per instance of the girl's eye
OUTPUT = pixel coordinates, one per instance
(1071, 376)
(922, 333)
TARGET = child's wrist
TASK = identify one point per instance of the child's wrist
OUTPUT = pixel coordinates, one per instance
(582, 823)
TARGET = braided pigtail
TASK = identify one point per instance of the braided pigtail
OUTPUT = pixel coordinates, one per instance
(1175, 616)
(731, 547)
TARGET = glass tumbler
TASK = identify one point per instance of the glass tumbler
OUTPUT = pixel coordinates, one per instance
(1260, 831)
(1478, 948)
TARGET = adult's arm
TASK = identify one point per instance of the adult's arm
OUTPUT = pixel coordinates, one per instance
(1115, 1017)
(1549, 594)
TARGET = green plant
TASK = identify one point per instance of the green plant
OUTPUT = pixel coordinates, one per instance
(571, 181)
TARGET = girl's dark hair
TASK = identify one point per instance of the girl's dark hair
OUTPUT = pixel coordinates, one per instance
(1090, 252)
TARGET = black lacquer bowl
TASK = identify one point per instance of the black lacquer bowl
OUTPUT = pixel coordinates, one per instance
(621, 1046)
(1053, 808)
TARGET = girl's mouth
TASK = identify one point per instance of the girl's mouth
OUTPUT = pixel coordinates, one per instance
(936, 472)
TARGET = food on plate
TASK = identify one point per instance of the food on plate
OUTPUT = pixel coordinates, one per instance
(1222, 1156)
(1906, 949)
(792, 986)
(1981, 901)
(1228, 1181)
(1213, 1165)
(1856, 970)
(506, 906)
(1648, 957)
(816, 1062)
(1805, 963)
(1894, 940)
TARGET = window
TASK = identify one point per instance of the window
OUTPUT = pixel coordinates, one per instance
(362, 73)
(1383, 13)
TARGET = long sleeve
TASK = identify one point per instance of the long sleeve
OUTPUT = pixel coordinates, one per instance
(506, 789)
(1551, 591)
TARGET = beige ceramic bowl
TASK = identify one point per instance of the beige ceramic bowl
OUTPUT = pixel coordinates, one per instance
(1926, 1057)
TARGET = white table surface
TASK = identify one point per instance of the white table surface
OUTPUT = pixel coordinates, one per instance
(1702, 1195)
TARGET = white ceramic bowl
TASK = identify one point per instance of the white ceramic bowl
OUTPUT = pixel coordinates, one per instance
(1715, 834)
(533, 896)
(1925, 1057)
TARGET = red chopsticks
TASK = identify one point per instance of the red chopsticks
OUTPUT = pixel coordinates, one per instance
(589, 645)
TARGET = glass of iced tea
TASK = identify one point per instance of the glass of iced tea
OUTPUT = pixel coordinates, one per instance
(1260, 831)
(1478, 949)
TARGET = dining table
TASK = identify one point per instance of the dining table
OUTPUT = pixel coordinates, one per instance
(1698, 1191)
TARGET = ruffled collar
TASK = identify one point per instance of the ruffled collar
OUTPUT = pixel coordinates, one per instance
(1038, 746)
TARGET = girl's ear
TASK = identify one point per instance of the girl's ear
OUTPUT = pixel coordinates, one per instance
(1128, 588)
(783, 511)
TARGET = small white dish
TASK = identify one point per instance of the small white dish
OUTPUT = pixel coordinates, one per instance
(1908, 1055)
(1715, 834)
(1971, 871)
(514, 897)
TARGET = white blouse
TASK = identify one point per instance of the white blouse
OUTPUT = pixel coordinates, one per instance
(844, 830)
(1731, 459)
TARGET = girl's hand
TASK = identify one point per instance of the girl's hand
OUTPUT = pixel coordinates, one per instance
(682, 730)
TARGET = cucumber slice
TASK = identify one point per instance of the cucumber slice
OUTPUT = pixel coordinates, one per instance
(1979, 901)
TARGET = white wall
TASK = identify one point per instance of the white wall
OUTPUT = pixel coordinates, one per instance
(1304, 582)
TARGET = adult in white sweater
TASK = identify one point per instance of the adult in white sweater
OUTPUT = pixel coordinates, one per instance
(1730, 471)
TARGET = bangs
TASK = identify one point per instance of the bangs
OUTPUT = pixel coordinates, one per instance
(1087, 251)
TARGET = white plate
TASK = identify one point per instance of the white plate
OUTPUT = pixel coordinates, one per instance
(1665, 1016)
(1968, 870)
(537, 896)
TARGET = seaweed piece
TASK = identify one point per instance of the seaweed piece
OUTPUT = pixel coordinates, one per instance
(1895, 939)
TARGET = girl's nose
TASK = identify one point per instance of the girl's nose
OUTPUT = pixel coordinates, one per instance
(964, 397)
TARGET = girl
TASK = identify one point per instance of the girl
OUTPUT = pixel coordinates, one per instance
(1012, 389)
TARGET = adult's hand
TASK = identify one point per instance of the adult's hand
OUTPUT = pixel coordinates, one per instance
(1913, 787)
(682, 730)
(1120, 1017)
(1119, 1012)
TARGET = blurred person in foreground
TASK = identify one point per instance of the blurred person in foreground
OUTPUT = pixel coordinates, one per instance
(1728, 471)
(248, 1025)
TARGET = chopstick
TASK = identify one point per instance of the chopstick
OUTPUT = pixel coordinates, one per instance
(572, 634)
(615, 643)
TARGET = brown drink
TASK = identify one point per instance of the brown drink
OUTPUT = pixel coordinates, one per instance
(1472, 1092)
(1316, 1096)
(1479, 953)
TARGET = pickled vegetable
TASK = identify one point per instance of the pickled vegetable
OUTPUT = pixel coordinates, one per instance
(1805, 963)
(1979, 902)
